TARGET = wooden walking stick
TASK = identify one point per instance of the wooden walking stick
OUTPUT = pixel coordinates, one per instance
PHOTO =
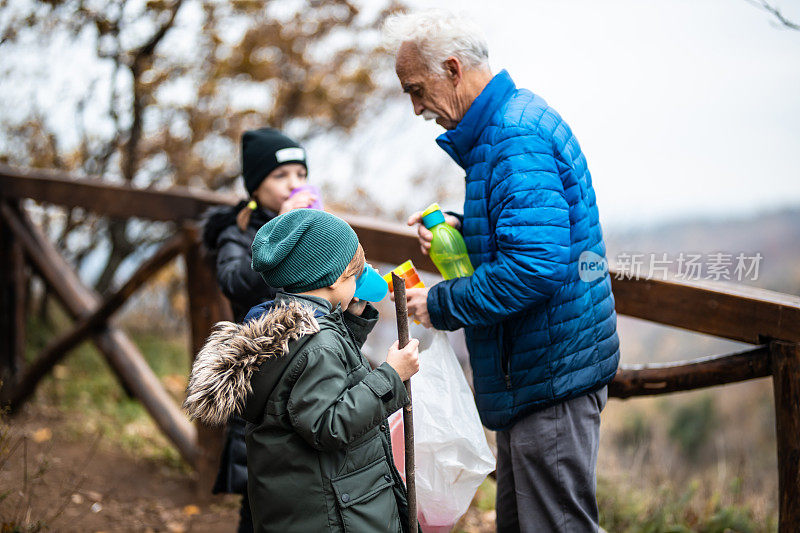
(401, 309)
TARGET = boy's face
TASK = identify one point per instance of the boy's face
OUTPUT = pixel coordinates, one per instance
(343, 291)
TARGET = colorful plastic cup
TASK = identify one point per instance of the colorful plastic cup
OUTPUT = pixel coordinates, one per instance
(370, 286)
(317, 204)
(409, 275)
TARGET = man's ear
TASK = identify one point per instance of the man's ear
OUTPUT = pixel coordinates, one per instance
(452, 69)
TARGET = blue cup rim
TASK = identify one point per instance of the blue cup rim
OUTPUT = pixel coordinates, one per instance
(369, 274)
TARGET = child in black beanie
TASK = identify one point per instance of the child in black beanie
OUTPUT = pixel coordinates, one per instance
(273, 167)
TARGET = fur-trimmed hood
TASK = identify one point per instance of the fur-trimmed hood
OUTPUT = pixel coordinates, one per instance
(220, 380)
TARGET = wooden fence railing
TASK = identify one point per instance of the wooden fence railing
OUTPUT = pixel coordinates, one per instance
(768, 320)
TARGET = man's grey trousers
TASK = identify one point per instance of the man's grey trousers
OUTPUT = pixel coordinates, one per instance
(546, 468)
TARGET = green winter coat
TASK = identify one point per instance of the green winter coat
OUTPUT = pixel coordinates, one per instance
(318, 447)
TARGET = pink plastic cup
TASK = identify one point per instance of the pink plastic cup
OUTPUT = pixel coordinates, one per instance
(317, 204)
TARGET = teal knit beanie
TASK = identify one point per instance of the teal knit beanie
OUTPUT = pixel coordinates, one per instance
(303, 250)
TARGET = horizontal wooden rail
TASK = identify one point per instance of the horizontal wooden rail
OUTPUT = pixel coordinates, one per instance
(725, 310)
(736, 312)
(731, 311)
(104, 198)
(652, 379)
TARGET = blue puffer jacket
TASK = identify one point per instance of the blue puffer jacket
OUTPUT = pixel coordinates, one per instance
(537, 333)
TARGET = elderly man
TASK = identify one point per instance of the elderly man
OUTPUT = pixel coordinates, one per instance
(538, 313)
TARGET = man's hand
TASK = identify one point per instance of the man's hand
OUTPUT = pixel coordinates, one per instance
(424, 234)
(418, 306)
(299, 200)
(405, 361)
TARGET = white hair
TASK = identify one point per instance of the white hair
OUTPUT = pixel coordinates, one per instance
(438, 34)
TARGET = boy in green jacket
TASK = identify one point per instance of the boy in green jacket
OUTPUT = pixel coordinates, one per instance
(318, 447)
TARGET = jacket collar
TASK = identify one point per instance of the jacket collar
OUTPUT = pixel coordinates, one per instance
(459, 141)
(321, 306)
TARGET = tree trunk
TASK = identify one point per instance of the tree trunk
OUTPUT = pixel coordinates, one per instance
(121, 248)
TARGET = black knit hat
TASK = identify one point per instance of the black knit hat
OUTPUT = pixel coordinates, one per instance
(264, 150)
(303, 250)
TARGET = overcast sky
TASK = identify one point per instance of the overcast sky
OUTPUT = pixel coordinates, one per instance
(682, 108)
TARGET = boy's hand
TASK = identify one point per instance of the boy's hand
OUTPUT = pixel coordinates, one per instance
(356, 306)
(405, 361)
(424, 234)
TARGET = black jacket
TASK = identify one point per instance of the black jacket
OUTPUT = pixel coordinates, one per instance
(244, 288)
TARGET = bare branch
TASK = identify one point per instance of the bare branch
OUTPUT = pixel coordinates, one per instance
(775, 12)
(149, 47)
(140, 58)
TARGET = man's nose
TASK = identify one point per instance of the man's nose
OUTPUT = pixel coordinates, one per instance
(295, 181)
(418, 107)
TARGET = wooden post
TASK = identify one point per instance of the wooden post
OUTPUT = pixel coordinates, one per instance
(21, 280)
(786, 387)
(13, 309)
(207, 306)
(399, 285)
(7, 306)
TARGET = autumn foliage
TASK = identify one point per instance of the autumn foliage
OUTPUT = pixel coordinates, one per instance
(179, 83)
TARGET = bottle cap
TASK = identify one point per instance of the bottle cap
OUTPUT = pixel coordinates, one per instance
(432, 216)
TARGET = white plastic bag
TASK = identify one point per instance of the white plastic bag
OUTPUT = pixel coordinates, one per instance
(450, 449)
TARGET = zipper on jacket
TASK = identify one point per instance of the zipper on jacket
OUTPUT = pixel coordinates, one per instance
(504, 357)
(350, 334)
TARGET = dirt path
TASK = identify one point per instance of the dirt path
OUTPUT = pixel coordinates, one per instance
(83, 486)
(51, 481)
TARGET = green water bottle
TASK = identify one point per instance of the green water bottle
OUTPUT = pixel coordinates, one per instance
(448, 251)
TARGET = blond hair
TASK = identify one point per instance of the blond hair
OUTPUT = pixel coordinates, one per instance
(356, 265)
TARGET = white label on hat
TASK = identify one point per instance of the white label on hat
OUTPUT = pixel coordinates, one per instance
(290, 154)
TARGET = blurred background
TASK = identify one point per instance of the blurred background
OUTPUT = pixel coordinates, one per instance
(687, 112)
